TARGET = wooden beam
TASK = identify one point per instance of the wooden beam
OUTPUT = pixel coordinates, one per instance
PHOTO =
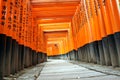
(54, 8)
(49, 1)
(54, 21)
(35, 5)
(47, 14)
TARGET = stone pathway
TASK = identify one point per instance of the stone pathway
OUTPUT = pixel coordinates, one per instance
(99, 68)
(30, 73)
(64, 70)
(67, 70)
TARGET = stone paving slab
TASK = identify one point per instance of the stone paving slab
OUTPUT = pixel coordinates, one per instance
(64, 70)
(108, 77)
(100, 68)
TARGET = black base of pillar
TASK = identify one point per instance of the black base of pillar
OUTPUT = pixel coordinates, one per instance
(30, 52)
(2, 54)
(8, 56)
(13, 55)
(93, 53)
(106, 52)
(96, 49)
(79, 54)
(39, 57)
(19, 57)
(113, 51)
(16, 56)
(88, 53)
(42, 57)
(117, 41)
(22, 57)
(101, 53)
(76, 55)
(26, 51)
(29, 56)
(45, 57)
(34, 57)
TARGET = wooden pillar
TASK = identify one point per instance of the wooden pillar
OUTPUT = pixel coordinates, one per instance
(116, 27)
(106, 32)
(111, 40)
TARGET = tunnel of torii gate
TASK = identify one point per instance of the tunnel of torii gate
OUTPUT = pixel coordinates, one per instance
(33, 30)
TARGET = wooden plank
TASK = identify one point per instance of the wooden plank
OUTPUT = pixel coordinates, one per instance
(54, 21)
(54, 8)
(47, 15)
(43, 1)
(62, 4)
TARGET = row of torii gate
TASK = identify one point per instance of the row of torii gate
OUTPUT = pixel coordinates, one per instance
(91, 33)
